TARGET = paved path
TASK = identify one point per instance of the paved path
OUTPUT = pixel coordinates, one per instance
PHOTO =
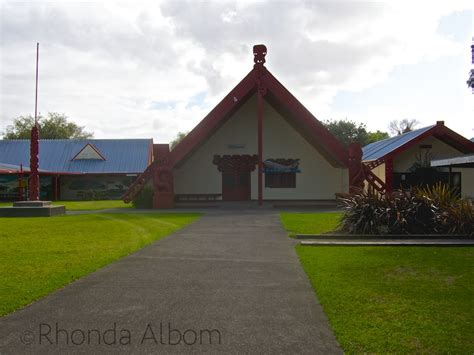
(237, 274)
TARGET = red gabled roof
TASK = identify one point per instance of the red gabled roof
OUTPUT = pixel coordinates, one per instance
(304, 122)
(453, 139)
(215, 119)
(276, 95)
(283, 101)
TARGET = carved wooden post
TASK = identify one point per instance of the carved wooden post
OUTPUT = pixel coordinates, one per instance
(389, 175)
(259, 52)
(163, 196)
(356, 171)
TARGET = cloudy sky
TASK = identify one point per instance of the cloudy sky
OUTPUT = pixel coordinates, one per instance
(151, 69)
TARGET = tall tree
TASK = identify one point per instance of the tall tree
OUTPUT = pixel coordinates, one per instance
(179, 137)
(377, 136)
(470, 81)
(398, 127)
(54, 126)
(347, 131)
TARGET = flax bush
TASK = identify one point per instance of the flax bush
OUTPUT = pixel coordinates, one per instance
(427, 210)
(144, 199)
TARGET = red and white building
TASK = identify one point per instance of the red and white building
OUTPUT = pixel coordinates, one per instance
(259, 143)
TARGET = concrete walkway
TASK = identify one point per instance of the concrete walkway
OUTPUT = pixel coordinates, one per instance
(233, 276)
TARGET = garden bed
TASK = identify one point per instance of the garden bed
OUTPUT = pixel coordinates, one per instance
(340, 236)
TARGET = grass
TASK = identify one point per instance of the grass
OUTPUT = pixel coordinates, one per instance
(310, 223)
(40, 255)
(390, 299)
(395, 299)
(93, 205)
(85, 205)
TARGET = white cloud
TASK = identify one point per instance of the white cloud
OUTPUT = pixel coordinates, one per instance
(107, 64)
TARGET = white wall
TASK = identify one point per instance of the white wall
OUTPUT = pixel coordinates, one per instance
(379, 171)
(318, 179)
(440, 150)
(467, 182)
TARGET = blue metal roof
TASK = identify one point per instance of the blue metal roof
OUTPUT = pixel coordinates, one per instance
(376, 150)
(121, 155)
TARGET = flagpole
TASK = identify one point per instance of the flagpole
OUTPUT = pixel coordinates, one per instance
(36, 89)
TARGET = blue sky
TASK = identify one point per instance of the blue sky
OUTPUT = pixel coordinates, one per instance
(154, 68)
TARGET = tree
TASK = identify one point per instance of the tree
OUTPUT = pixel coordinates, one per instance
(470, 81)
(348, 132)
(377, 136)
(403, 126)
(54, 126)
(179, 137)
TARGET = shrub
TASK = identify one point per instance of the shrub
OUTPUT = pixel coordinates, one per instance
(398, 213)
(144, 199)
(459, 218)
(363, 213)
(409, 213)
(441, 194)
(455, 215)
(429, 210)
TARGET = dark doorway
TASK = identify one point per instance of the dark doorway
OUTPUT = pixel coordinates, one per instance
(235, 171)
(427, 177)
(236, 186)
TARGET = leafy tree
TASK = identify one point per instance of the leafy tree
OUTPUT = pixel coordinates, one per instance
(179, 137)
(470, 81)
(348, 132)
(54, 126)
(377, 136)
(403, 126)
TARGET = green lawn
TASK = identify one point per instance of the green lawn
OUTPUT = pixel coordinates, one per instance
(391, 299)
(395, 299)
(310, 223)
(93, 205)
(40, 255)
(85, 205)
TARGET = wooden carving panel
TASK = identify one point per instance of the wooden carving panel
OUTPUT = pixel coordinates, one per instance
(235, 163)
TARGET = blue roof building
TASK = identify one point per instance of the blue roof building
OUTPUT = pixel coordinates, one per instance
(76, 169)
(89, 156)
(377, 150)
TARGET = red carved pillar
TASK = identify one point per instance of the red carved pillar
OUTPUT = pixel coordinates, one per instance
(21, 186)
(260, 147)
(56, 187)
(259, 52)
(356, 172)
(389, 175)
(163, 196)
(33, 191)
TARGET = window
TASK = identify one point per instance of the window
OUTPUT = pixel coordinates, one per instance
(280, 180)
